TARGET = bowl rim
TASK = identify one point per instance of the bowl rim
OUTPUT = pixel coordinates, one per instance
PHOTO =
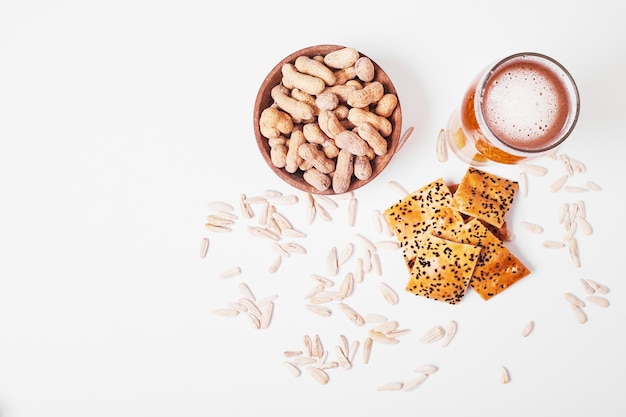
(296, 179)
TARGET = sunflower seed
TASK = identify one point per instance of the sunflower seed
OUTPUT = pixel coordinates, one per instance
(343, 340)
(587, 287)
(367, 243)
(320, 299)
(449, 333)
(304, 361)
(570, 230)
(308, 344)
(246, 291)
(390, 296)
(292, 247)
(322, 356)
(293, 233)
(217, 228)
(204, 247)
(325, 282)
(574, 300)
(346, 286)
(264, 216)
(534, 169)
(505, 377)
(266, 315)
(311, 213)
(567, 164)
(592, 186)
(263, 232)
(552, 244)
(434, 334)
(262, 303)
(226, 312)
(376, 265)
(367, 260)
(218, 220)
(255, 200)
(275, 265)
(575, 189)
(367, 349)
(558, 183)
(251, 307)
(286, 199)
(404, 138)
(320, 310)
(292, 353)
(220, 206)
(325, 201)
(375, 318)
(354, 348)
(352, 209)
(328, 365)
(282, 221)
(398, 333)
(600, 288)
(359, 271)
(528, 328)
(246, 209)
(414, 383)
(342, 359)
(376, 220)
(396, 187)
(317, 347)
(523, 184)
(345, 254)
(563, 213)
(254, 320)
(230, 272)
(391, 386)
(314, 291)
(573, 250)
(386, 226)
(323, 213)
(584, 225)
(442, 148)
(381, 337)
(280, 250)
(238, 306)
(598, 300)
(535, 228)
(354, 317)
(577, 165)
(332, 262)
(387, 326)
(579, 313)
(387, 244)
(426, 369)
(291, 368)
(318, 374)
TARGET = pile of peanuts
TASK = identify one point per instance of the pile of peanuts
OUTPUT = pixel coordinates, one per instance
(329, 119)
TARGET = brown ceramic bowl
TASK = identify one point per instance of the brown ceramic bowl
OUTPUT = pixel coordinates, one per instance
(264, 100)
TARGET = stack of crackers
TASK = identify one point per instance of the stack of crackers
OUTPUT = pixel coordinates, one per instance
(452, 237)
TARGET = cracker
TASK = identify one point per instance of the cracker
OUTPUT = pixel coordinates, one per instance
(443, 269)
(497, 268)
(484, 196)
(427, 209)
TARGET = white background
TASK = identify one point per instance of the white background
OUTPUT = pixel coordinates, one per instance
(121, 120)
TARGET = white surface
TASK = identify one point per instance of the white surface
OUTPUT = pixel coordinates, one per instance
(121, 120)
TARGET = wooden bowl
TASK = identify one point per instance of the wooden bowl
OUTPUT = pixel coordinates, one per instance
(264, 100)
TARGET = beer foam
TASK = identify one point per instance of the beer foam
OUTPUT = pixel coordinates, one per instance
(526, 104)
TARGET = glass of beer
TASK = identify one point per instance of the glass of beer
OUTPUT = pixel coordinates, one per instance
(520, 108)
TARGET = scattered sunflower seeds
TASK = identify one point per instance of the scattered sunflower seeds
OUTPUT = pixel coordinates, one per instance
(434, 334)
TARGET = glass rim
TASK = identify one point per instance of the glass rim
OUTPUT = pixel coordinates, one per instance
(571, 87)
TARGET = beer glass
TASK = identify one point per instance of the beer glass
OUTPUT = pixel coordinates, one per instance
(520, 108)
